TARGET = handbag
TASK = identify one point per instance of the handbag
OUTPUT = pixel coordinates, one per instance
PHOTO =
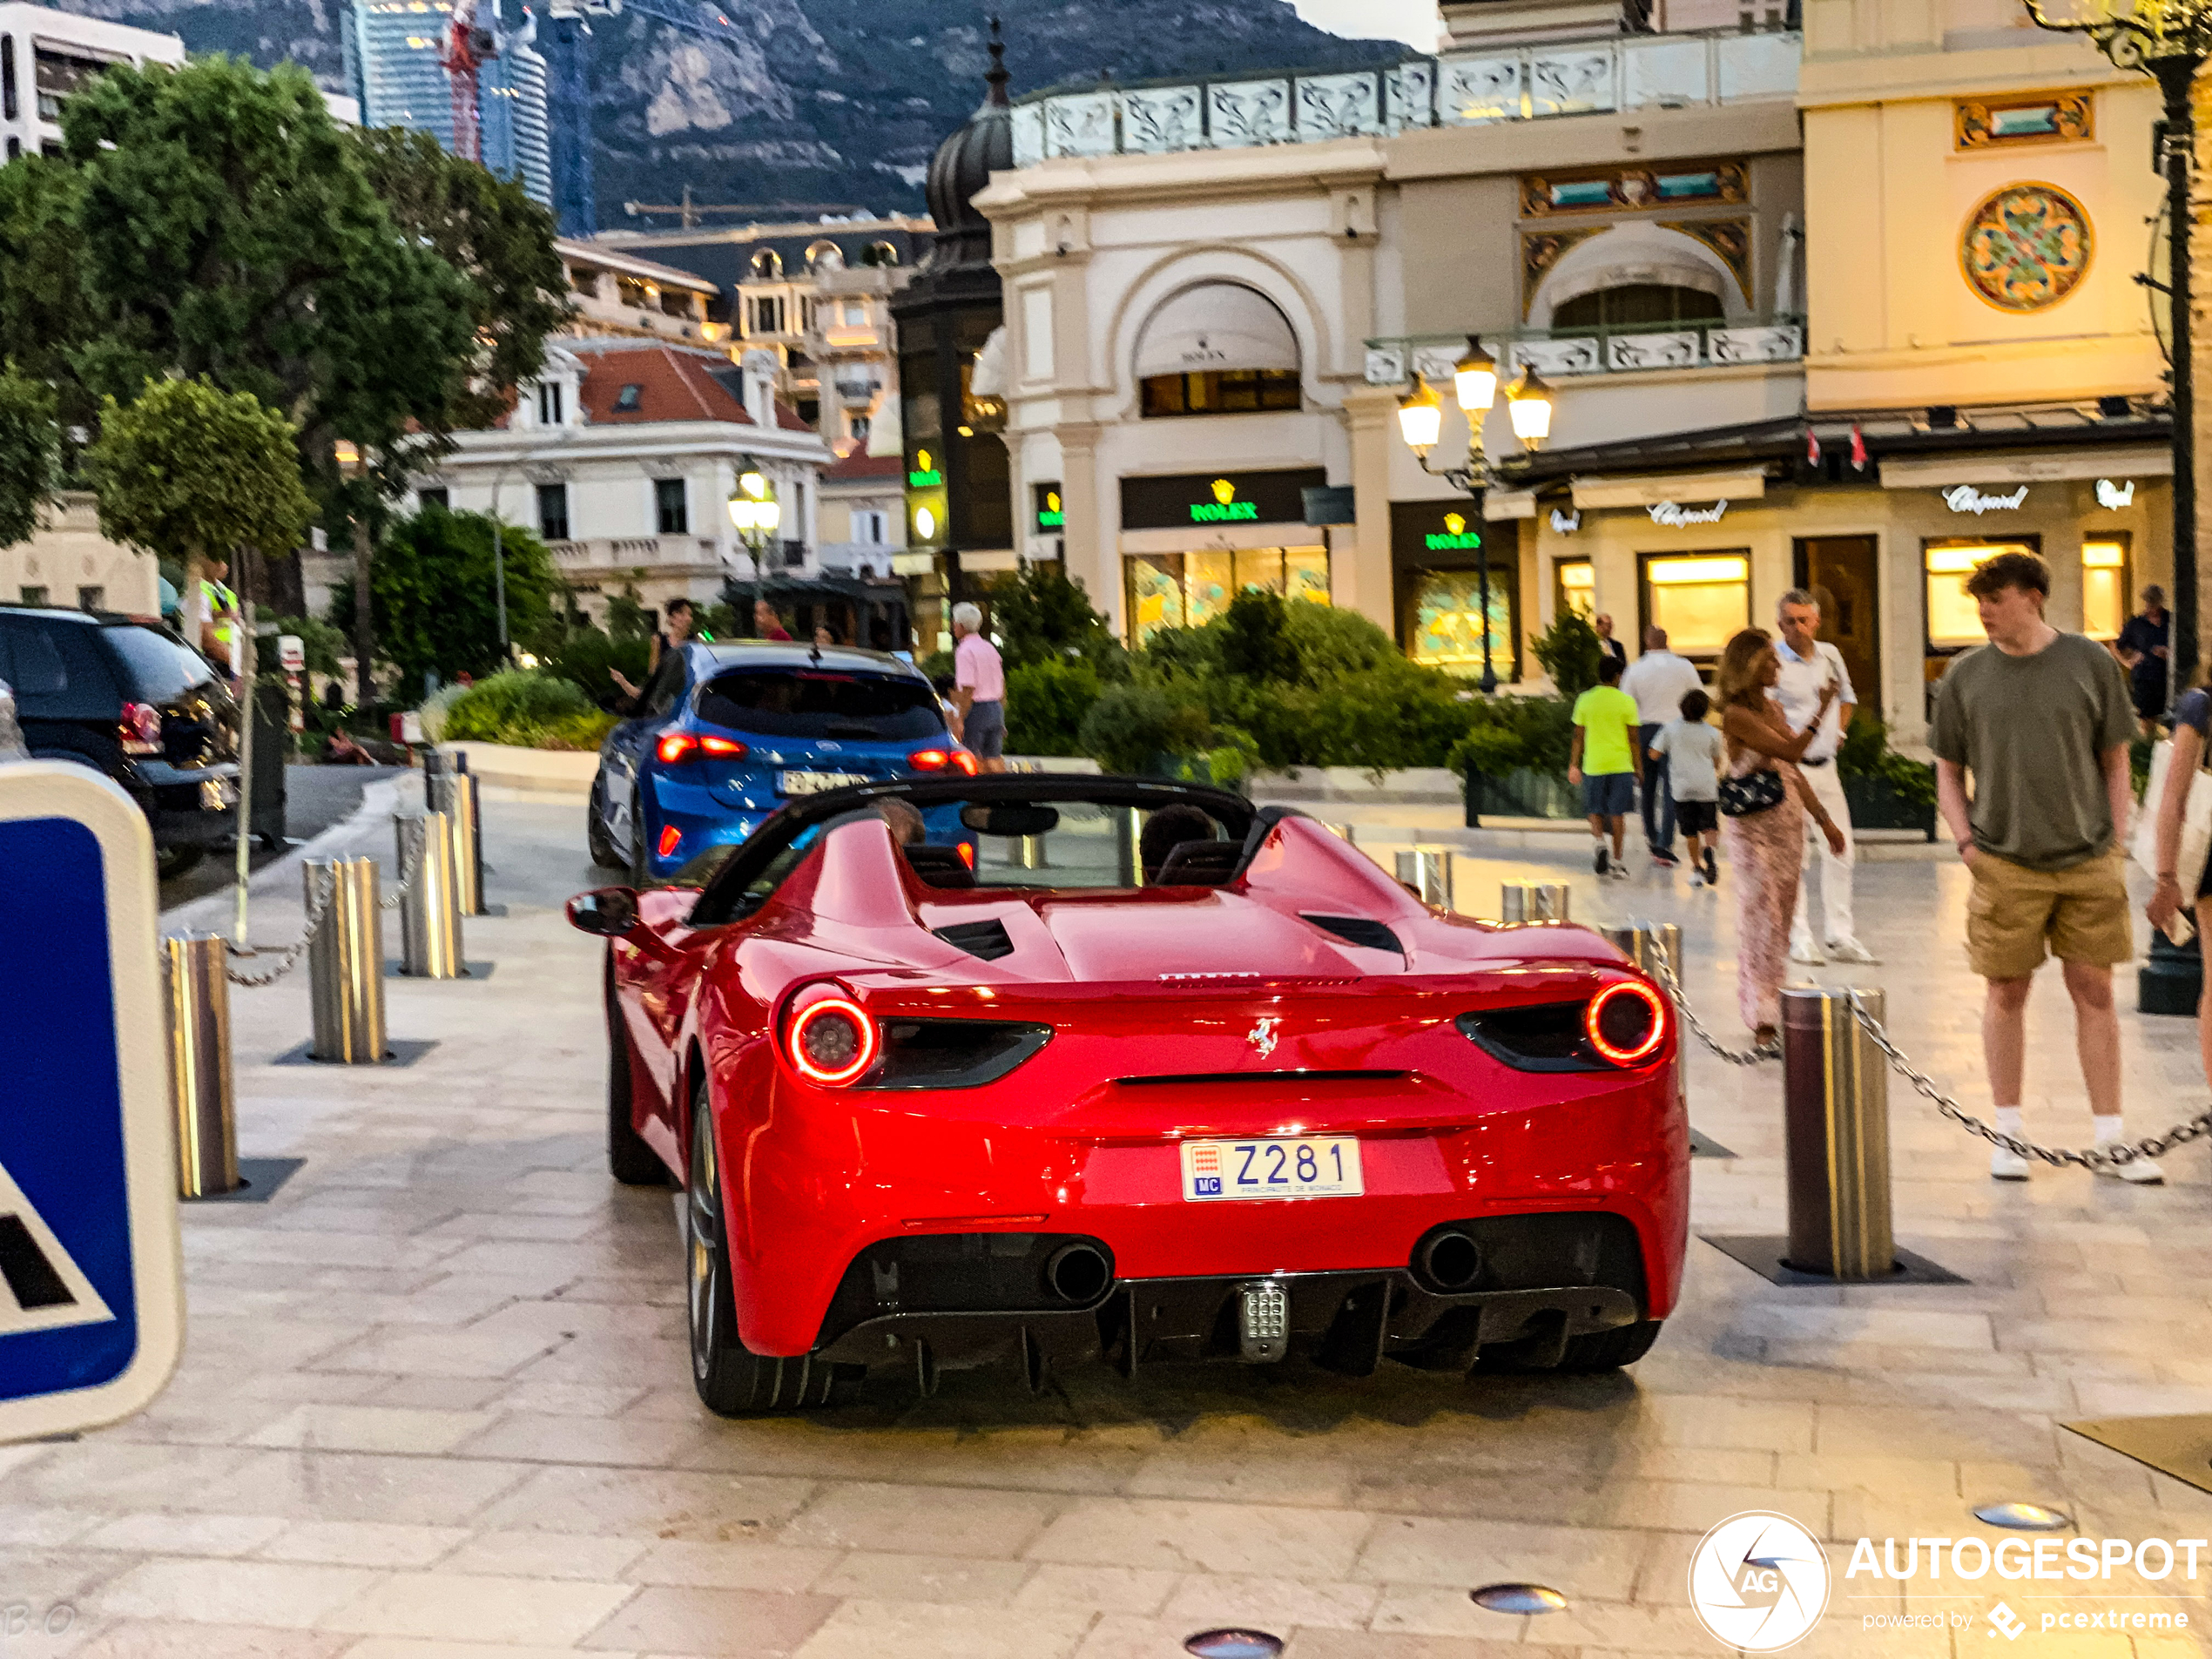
(1752, 794)
(2196, 823)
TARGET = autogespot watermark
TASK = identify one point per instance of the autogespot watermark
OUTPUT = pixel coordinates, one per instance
(1760, 1581)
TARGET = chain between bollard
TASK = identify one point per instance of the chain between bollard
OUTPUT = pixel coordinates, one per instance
(409, 870)
(2094, 1158)
(289, 957)
(1665, 966)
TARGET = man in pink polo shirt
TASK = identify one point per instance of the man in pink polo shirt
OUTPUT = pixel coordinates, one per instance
(978, 689)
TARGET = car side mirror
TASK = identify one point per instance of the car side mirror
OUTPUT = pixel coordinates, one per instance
(610, 911)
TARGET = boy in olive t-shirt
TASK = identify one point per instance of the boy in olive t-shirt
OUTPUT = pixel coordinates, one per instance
(1607, 763)
(2041, 721)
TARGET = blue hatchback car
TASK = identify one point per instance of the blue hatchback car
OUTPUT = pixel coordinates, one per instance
(752, 725)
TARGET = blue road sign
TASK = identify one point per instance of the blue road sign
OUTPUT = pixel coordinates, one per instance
(91, 1305)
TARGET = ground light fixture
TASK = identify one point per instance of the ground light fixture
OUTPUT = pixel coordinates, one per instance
(1518, 1599)
(2023, 1517)
(1233, 1644)
(1420, 422)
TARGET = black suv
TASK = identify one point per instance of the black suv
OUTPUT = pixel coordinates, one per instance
(130, 701)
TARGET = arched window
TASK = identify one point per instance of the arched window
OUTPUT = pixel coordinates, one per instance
(767, 265)
(1637, 305)
(825, 256)
(882, 254)
(1218, 348)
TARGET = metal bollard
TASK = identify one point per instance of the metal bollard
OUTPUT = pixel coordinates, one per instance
(196, 977)
(430, 917)
(454, 793)
(346, 963)
(1835, 1122)
(1428, 870)
(1533, 902)
(1634, 942)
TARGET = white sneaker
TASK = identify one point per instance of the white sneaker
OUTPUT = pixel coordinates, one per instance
(1849, 950)
(2007, 1165)
(1619, 872)
(1696, 877)
(2141, 1172)
(1807, 953)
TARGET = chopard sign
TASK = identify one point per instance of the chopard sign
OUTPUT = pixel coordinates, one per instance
(1675, 518)
(1965, 498)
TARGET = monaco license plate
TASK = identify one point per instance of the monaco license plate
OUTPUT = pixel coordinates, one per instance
(1323, 1167)
(813, 783)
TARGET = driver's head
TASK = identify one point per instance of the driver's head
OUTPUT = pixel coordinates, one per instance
(907, 827)
(1166, 830)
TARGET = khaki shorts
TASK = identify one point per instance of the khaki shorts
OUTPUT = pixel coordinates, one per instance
(2080, 915)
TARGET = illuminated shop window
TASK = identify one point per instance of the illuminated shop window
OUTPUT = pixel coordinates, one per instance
(2104, 587)
(1446, 629)
(1577, 587)
(1189, 589)
(1700, 599)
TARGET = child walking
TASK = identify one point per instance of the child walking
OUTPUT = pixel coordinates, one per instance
(1692, 752)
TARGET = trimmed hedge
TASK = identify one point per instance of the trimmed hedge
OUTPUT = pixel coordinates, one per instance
(529, 710)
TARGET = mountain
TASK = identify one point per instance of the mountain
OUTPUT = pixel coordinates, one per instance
(823, 104)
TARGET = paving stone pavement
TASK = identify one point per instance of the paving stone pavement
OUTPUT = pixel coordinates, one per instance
(434, 1403)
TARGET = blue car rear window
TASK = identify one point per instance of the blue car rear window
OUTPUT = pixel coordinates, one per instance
(822, 703)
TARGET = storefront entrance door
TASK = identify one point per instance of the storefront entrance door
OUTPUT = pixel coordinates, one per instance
(1842, 573)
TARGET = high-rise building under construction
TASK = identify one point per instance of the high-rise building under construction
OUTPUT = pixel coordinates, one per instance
(395, 62)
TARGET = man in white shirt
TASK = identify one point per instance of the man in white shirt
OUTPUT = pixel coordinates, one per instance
(1658, 680)
(1810, 664)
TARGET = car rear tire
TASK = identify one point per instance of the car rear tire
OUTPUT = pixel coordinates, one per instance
(629, 1158)
(731, 1379)
(596, 838)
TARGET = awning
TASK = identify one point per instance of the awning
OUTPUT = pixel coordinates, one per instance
(1508, 504)
(1216, 326)
(2023, 467)
(1747, 484)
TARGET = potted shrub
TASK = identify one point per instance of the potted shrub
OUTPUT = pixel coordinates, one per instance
(1884, 789)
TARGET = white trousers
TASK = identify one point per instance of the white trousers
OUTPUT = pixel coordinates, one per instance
(1836, 873)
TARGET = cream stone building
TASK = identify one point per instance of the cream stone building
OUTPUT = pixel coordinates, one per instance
(70, 562)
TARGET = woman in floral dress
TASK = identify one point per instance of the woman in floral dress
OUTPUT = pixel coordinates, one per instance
(1765, 847)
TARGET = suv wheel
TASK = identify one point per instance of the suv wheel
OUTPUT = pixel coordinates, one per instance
(596, 838)
(731, 1379)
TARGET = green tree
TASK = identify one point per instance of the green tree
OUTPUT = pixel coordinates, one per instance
(436, 593)
(1569, 651)
(27, 455)
(1042, 616)
(1253, 643)
(497, 238)
(189, 470)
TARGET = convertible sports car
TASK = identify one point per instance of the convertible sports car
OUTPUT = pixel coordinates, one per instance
(1161, 1076)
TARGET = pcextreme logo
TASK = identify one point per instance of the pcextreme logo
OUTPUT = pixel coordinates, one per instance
(1758, 1582)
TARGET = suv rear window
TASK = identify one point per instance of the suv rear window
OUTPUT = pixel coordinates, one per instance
(820, 703)
(158, 669)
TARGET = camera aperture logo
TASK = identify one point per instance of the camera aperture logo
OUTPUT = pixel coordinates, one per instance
(1759, 1582)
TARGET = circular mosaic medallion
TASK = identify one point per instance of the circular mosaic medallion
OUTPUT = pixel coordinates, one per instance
(2026, 247)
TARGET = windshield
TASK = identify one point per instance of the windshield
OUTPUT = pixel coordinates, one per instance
(160, 670)
(822, 702)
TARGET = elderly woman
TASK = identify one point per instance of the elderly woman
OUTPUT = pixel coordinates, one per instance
(2191, 717)
(1763, 801)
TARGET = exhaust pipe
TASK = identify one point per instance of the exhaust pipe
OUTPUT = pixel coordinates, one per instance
(1448, 1261)
(1078, 1272)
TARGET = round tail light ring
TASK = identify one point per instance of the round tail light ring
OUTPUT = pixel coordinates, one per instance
(1639, 1025)
(834, 1041)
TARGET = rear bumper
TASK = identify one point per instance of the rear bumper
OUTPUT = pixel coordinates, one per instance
(180, 802)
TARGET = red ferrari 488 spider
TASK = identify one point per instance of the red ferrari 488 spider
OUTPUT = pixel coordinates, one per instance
(1132, 1072)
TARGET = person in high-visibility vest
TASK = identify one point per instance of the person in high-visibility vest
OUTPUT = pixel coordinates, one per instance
(219, 617)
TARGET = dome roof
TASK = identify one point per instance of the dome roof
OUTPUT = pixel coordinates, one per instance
(963, 165)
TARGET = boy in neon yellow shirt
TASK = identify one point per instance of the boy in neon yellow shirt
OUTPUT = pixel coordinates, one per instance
(1607, 763)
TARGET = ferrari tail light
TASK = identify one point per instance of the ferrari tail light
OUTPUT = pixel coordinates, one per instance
(670, 838)
(141, 729)
(833, 1042)
(1626, 1022)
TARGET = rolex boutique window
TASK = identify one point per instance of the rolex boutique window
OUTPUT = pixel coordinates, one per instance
(1189, 589)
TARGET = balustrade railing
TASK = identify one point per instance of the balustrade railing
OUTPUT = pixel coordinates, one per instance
(1567, 354)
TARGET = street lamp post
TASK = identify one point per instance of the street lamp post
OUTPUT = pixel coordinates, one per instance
(2168, 40)
(756, 514)
(1420, 421)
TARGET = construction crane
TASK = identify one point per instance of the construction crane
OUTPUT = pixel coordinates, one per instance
(567, 46)
(467, 48)
(690, 213)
